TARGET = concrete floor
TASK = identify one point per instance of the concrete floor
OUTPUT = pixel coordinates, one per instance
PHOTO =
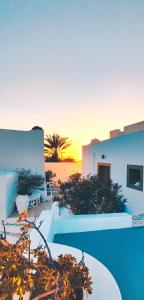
(35, 211)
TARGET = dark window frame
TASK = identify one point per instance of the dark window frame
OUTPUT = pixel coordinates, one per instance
(132, 186)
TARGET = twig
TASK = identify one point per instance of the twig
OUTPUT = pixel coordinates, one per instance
(34, 219)
(57, 288)
(21, 236)
(40, 224)
(82, 259)
(26, 260)
(29, 251)
(4, 229)
(44, 295)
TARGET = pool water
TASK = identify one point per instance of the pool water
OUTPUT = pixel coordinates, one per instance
(120, 250)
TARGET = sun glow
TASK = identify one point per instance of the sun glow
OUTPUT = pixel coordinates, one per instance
(74, 151)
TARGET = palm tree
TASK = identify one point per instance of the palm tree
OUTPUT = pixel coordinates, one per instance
(54, 145)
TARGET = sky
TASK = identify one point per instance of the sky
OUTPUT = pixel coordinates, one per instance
(74, 67)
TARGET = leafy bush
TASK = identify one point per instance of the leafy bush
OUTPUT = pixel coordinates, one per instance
(50, 175)
(90, 195)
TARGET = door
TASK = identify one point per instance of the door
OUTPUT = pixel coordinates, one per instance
(104, 172)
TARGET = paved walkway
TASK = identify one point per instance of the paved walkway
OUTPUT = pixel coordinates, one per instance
(120, 250)
(35, 211)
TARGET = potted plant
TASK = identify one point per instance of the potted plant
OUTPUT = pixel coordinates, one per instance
(25, 182)
(36, 274)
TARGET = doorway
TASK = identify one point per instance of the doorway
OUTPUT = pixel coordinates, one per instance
(104, 172)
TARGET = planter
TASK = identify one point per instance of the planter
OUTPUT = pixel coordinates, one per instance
(22, 203)
(34, 199)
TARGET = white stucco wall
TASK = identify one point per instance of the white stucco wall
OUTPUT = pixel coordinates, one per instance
(65, 222)
(119, 152)
(88, 159)
(22, 149)
(47, 229)
(7, 193)
(84, 223)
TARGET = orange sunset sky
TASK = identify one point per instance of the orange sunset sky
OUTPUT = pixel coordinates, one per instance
(72, 67)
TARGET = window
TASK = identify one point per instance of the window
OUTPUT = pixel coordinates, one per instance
(135, 177)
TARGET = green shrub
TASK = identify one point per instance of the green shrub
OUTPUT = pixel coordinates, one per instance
(90, 195)
(49, 175)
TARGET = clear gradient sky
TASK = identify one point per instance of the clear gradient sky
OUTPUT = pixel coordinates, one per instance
(75, 67)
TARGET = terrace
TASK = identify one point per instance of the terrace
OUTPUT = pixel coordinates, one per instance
(120, 250)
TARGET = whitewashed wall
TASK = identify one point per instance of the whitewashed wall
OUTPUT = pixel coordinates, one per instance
(84, 223)
(47, 229)
(22, 149)
(119, 152)
(89, 222)
(7, 193)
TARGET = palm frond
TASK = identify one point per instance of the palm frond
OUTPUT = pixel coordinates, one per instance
(56, 144)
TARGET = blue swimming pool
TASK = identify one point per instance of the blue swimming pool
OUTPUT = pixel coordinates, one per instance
(120, 250)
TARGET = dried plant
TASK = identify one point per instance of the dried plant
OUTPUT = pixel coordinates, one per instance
(23, 270)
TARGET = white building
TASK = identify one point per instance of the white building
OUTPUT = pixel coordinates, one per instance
(22, 149)
(18, 149)
(122, 159)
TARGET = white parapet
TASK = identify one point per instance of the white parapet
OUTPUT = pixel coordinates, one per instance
(55, 209)
(46, 220)
(56, 223)
(81, 223)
